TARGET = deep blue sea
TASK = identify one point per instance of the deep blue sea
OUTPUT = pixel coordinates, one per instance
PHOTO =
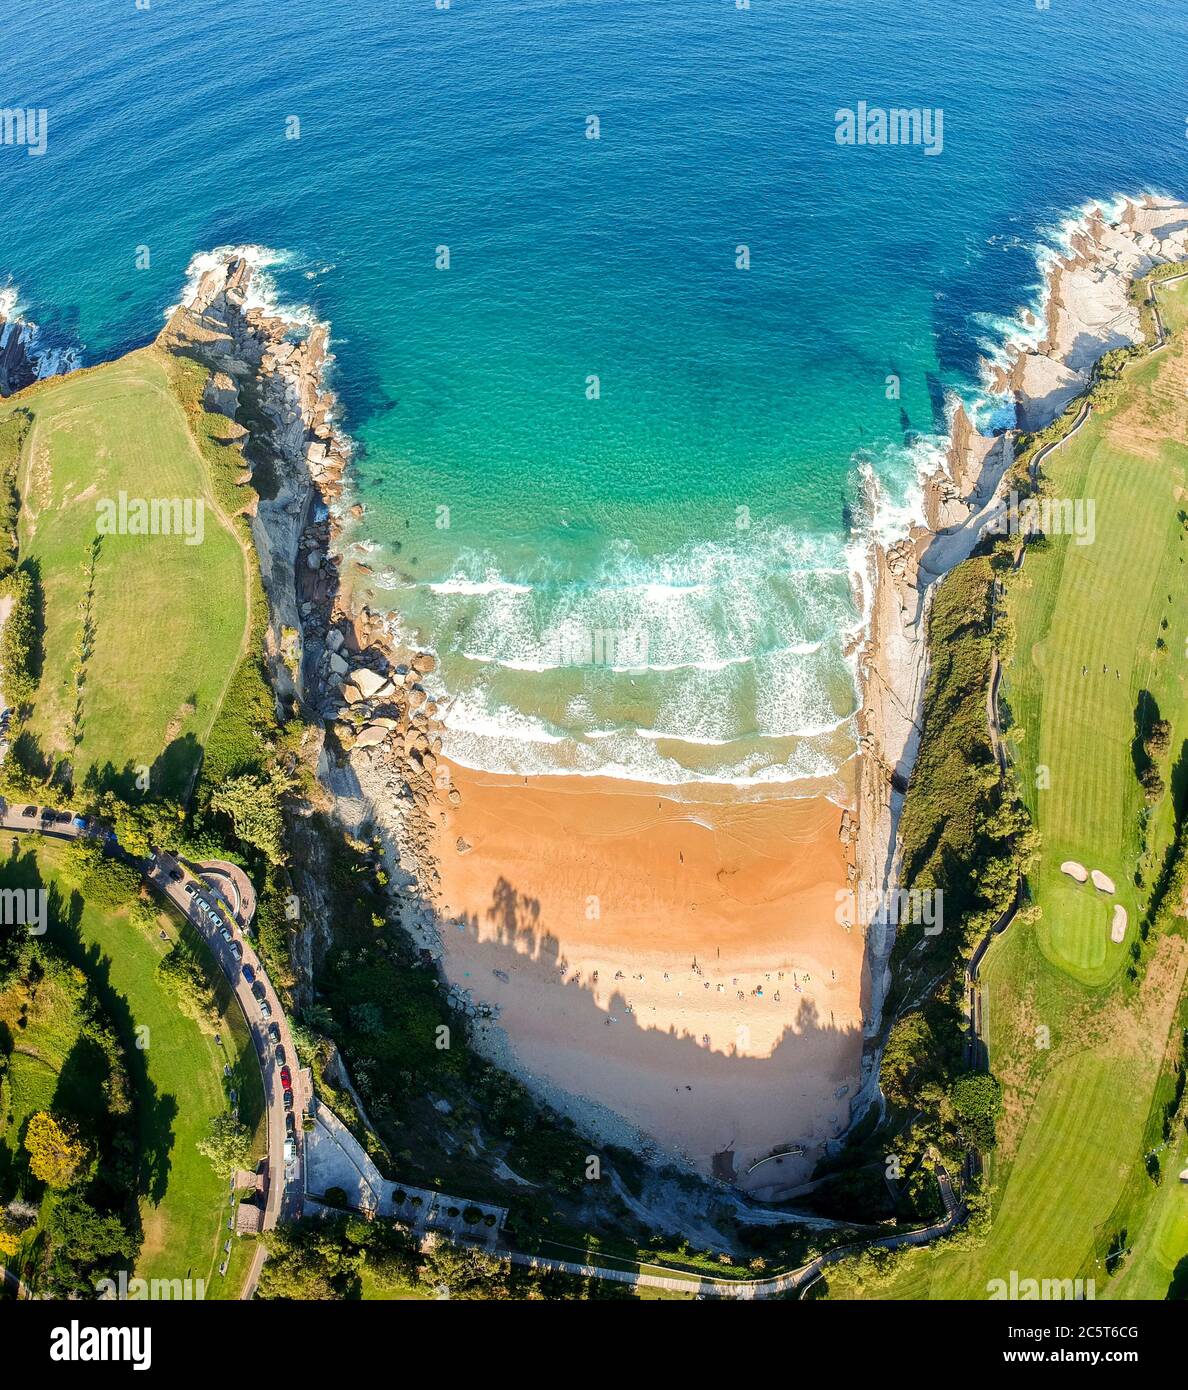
(607, 471)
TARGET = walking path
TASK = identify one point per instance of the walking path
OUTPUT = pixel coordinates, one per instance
(775, 1285)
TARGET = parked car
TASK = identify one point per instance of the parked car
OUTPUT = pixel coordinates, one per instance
(258, 990)
(290, 1124)
(80, 822)
(286, 1078)
(216, 921)
(249, 974)
(265, 1008)
(48, 814)
(191, 889)
(29, 811)
(225, 933)
(279, 1054)
(237, 950)
(273, 1033)
(175, 874)
(63, 818)
(288, 1100)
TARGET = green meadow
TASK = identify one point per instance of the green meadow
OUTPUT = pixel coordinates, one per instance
(141, 632)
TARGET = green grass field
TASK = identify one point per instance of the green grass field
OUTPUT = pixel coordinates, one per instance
(1083, 1054)
(168, 617)
(1089, 618)
(177, 1075)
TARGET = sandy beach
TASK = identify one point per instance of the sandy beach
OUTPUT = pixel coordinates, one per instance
(676, 961)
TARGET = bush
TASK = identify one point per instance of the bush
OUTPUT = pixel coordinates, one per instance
(977, 1099)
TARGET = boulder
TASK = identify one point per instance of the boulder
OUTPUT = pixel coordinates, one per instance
(221, 396)
(368, 681)
(373, 734)
(339, 666)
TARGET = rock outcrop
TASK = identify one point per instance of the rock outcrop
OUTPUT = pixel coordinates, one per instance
(18, 367)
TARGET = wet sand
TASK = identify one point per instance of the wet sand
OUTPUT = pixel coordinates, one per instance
(675, 962)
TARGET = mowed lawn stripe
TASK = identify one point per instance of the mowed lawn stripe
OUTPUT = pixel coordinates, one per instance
(1099, 606)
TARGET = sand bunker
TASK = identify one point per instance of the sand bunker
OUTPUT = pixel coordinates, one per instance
(1102, 882)
(1074, 870)
(1118, 929)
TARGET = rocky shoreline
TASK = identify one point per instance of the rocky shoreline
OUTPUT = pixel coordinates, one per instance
(1087, 311)
(379, 762)
(18, 366)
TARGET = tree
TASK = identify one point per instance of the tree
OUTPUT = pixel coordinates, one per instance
(10, 1239)
(55, 1152)
(1159, 739)
(104, 881)
(464, 1273)
(1152, 784)
(228, 1145)
(977, 1099)
(253, 804)
(87, 1234)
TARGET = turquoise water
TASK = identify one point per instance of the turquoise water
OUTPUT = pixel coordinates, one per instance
(655, 581)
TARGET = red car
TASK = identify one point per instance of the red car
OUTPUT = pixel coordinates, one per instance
(286, 1079)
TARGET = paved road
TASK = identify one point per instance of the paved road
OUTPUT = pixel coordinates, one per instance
(171, 878)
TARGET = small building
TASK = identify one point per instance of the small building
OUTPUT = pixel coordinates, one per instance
(249, 1219)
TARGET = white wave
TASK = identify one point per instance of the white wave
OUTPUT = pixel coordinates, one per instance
(47, 361)
(466, 716)
(478, 586)
(659, 735)
(623, 756)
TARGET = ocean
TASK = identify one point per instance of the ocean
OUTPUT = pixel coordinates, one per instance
(619, 325)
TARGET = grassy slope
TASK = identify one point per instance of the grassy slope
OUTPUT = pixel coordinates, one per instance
(169, 617)
(183, 1211)
(1069, 1170)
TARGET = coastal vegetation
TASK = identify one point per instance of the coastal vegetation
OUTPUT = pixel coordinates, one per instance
(1084, 1034)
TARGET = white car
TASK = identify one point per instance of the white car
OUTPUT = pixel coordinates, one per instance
(225, 933)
